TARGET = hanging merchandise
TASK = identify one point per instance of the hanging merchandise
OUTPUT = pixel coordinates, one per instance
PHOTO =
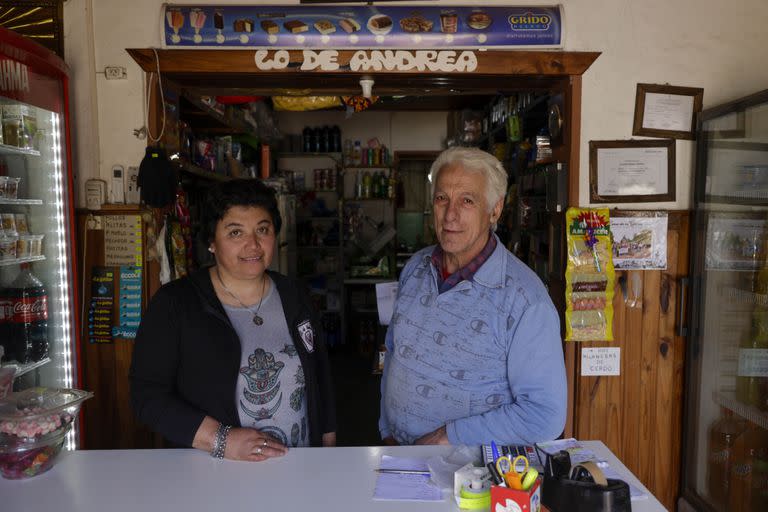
(182, 213)
(157, 179)
(304, 103)
(359, 103)
(589, 276)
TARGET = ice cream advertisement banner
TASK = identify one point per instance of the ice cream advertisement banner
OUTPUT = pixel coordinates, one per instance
(360, 27)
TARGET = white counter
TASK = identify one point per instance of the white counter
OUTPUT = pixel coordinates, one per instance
(306, 479)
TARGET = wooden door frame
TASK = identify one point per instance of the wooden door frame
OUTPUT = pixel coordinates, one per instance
(496, 70)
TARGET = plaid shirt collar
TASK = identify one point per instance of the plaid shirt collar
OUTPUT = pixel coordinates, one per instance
(465, 273)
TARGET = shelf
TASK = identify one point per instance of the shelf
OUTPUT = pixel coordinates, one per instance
(748, 412)
(5, 149)
(17, 261)
(336, 157)
(21, 369)
(21, 201)
(352, 167)
(234, 125)
(188, 168)
(744, 297)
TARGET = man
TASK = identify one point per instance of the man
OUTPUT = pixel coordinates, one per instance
(474, 353)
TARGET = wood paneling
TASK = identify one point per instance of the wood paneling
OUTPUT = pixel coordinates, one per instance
(638, 414)
(109, 421)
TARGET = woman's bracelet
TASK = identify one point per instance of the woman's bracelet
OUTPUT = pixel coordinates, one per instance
(220, 441)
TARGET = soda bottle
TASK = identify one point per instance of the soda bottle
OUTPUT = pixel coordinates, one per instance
(6, 308)
(28, 326)
(335, 145)
(325, 139)
(367, 181)
(748, 471)
(347, 155)
(722, 435)
(306, 139)
(316, 136)
(357, 154)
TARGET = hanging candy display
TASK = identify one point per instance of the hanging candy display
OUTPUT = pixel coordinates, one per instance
(589, 276)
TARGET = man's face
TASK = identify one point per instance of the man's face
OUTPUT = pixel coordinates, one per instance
(462, 215)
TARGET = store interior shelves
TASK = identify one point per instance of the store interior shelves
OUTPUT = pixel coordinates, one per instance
(5, 149)
(22, 202)
(16, 261)
(748, 412)
(228, 122)
(188, 168)
(21, 369)
(739, 296)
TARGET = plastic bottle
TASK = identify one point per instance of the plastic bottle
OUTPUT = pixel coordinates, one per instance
(382, 188)
(316, 135)
(306, 139)
(335, 144)
(347, 154)
(751, 379)
(27, 327)
(747, 485)
(325, 139)
(358, 186)
(357, 153)
(391, 184)
(722, 436)
(367, 183)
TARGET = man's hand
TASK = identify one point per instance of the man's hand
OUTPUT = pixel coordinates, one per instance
(437, 437)
(390, 441)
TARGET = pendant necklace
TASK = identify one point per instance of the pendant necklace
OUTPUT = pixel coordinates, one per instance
(256, 318)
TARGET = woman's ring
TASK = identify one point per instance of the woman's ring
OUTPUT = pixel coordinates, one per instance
(258, 450)
(265, 443)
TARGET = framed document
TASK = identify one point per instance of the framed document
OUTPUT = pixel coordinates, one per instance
(631, 171)
(667, 111)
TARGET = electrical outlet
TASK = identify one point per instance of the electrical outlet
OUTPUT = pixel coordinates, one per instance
(115, 73)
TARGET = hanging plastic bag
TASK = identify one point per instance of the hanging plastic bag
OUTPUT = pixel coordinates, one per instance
(589, 276)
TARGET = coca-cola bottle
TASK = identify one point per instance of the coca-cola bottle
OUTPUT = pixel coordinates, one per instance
(28, 326)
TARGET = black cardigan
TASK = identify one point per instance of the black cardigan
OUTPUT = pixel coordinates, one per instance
(187, 357)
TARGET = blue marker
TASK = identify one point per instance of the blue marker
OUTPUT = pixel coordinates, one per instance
(494, 451)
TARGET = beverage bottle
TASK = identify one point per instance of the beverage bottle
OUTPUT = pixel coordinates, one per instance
(391, 184)
(335, 144)
(325, 139)
(347, 155)
(28, 327)
(316, 135)
(6, 309)
(367, 180)
(751, 374)
(357, 154)
(722, 435)
(358, 186)
(383, 185)
(748, 472)
(306, 139)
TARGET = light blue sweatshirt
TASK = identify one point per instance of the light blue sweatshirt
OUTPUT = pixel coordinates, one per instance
(484, 358)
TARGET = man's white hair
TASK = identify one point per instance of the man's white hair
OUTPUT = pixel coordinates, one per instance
(473, 160)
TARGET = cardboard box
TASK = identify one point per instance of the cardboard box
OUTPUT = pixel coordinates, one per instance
(504, 499)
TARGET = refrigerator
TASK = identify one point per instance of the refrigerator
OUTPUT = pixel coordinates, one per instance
(36, 208)
(725, 431)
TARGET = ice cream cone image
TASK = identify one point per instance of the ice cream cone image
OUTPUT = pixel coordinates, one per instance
(175, 20)
(197, 20)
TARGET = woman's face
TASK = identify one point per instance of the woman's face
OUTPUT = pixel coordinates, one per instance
(244, 242)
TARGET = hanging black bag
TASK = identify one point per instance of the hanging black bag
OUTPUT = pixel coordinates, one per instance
(157, 179)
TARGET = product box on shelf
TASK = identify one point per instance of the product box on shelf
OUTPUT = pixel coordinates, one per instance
(505, 499)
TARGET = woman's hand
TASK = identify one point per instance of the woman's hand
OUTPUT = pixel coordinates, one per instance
(329, 439)
(252, 445)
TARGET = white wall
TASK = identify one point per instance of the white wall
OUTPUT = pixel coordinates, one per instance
(713, 44)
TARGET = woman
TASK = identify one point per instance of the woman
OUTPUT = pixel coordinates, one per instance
(229, 359)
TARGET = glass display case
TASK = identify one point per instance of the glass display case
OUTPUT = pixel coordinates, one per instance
(38, 279)
(726, 421)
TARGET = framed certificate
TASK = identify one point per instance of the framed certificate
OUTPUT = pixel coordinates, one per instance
(631, 171)
(667, 111)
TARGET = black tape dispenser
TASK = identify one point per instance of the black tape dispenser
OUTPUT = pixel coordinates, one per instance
(581, 488)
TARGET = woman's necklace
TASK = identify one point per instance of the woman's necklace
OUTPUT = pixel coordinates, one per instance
(256, 318)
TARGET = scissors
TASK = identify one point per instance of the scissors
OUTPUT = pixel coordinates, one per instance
(520, 475)
(503, 465)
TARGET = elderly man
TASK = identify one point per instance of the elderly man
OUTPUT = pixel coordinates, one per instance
(474, 353)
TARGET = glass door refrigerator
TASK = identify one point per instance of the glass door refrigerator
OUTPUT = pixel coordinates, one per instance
(38, 278)
(725, 452)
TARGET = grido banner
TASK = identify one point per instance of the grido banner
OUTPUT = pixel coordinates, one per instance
(361, 27)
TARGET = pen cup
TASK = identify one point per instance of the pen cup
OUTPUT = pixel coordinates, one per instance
(502, 498)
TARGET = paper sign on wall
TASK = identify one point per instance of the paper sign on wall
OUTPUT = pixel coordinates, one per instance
(600, 361)
(122, 240)
(385, 300)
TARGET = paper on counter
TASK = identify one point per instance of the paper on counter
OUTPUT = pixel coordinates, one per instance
(405, 487)
(385, 300)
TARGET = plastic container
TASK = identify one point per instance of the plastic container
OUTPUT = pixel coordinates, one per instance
(8, 248)
(22, 246)
(9, 224)
(12, 187)
(33, 425)
(22, 226)
(36, 245)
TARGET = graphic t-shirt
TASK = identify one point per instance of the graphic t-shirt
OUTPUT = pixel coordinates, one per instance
(270, 393)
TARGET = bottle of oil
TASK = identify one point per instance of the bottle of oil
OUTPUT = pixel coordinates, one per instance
(752, 370)
(722, 436)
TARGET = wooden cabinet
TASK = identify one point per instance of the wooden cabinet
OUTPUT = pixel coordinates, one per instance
(638, 414)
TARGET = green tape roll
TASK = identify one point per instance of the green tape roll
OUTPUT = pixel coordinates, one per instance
(475, 499)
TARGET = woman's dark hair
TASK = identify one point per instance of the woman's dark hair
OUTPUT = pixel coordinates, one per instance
(242, 192)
